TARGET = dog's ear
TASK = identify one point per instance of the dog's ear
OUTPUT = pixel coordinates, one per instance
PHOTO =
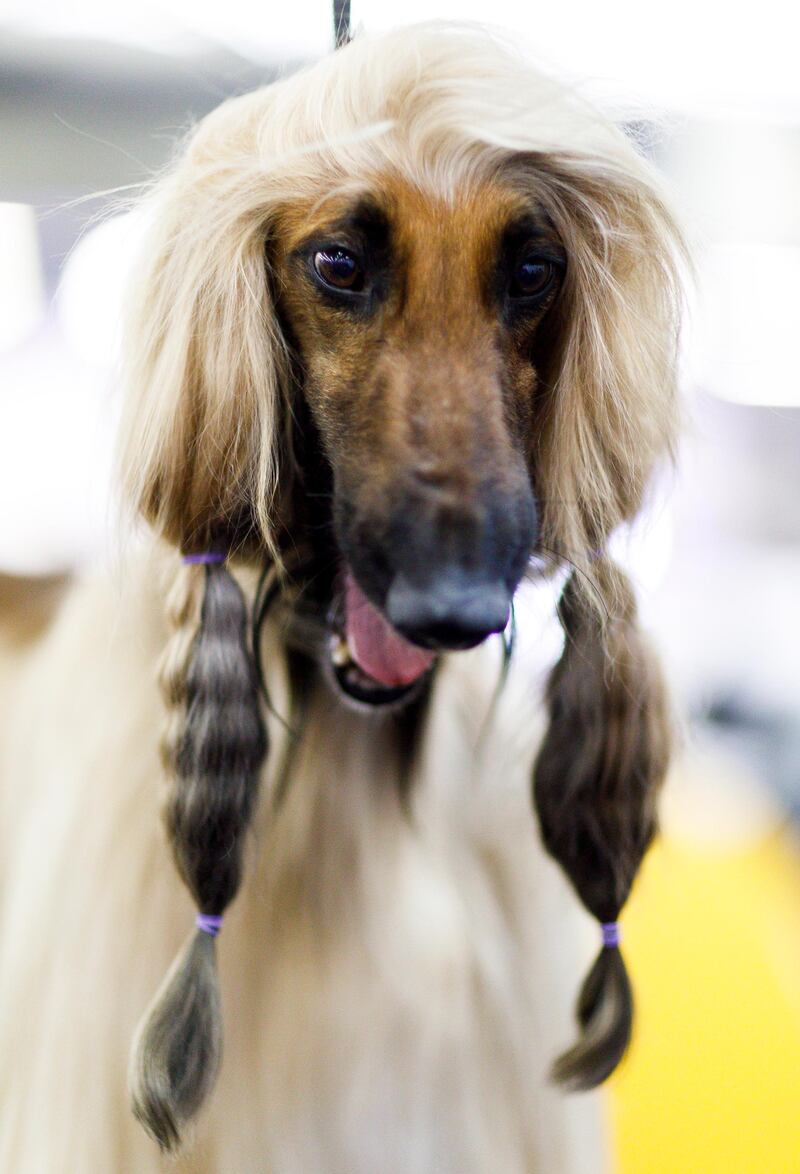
(595, 785)
(607, 401)
(213, 751)
(206, 373)
(205, 358)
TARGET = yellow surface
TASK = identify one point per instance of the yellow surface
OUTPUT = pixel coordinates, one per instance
(711, 1084)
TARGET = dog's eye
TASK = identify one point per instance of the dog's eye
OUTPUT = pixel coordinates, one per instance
(532, 276)
(339, 268)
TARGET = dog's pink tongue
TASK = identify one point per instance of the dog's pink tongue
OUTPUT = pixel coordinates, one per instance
(377, 648)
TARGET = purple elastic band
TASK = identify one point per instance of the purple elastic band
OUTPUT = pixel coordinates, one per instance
(208, 923)
(205, 558)
(612, 934)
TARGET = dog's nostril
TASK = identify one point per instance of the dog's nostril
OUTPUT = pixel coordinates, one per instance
(452, 612)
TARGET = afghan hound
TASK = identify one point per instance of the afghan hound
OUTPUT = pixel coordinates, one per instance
(403, 335)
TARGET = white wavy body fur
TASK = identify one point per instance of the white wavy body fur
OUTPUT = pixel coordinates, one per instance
(395, 982)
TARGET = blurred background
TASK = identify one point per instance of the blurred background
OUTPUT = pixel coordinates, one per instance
(94, 98)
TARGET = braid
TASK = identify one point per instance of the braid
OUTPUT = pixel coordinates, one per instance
(184, 611)
(595, 783)
(213, 749)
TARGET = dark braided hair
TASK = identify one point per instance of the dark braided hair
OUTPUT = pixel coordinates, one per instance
(595, 783)
(213, 750)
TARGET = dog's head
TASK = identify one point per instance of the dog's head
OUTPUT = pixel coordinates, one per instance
(411, 310)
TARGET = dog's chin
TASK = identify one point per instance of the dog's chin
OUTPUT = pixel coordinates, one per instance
(369, 663)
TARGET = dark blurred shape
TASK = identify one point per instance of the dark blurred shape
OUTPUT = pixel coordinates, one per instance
(767, 740)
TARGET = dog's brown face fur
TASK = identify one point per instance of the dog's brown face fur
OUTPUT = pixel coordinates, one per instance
(415, 322)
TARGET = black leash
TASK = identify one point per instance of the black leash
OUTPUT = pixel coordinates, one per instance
(341, 22)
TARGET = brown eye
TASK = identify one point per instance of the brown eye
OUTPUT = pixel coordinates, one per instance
(339, 268)
(532, 276)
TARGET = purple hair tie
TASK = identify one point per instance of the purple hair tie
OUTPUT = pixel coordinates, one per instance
(209, 923)
(205, 558)
(612, 934)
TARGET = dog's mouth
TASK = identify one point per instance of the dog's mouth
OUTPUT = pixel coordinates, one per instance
(371, 662)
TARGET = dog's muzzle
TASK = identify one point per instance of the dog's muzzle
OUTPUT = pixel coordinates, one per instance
(442, 580)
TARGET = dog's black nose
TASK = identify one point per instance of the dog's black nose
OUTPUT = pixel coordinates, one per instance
(452, 612)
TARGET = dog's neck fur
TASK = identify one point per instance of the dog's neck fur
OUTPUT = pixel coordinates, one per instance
(399, 937)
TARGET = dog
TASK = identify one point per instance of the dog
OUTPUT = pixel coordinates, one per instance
(403, 336)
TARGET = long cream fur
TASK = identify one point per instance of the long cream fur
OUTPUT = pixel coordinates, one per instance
(396, 982)
(394, 988)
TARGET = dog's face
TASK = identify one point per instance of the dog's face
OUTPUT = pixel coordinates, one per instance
(448, 295)
(415, 321)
